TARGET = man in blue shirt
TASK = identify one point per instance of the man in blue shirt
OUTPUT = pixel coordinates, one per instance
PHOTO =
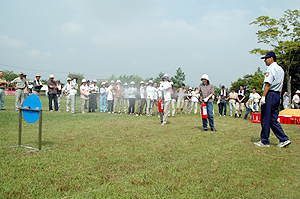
(270, 102)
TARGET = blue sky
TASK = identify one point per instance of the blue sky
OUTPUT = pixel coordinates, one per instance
(99, 38)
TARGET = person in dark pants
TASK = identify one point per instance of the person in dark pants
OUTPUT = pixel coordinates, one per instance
(52, 93)
(270, 103)
(223, 94)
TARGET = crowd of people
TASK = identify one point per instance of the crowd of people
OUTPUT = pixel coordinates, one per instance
(115, 97)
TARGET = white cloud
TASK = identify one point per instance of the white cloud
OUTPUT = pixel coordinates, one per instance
(8, 42)
(71, 28)
(39, 55)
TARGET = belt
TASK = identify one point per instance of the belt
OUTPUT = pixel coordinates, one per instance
(275, 91)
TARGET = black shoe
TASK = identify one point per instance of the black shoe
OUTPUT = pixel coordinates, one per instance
(204, 129)
(213, 129)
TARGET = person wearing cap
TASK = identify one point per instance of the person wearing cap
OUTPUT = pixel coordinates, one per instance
(181, 92)
(110, 97)
(66, 91)
(206, 91)
(94, 92)
(84, 95)
(3, 84)
(232, 99)
(142, 100)
(59, 92)
(296, 100)
(223, 94)
(26, 89)
(173, 99)
(270, 101)
(125, 95)
(19, 84)
(103, 98)
(131, 96)
(37, 85)
(117, 90)
(286, 100)
(195, 99)
(150, 91)
(252, 103)
(240, 102)
(188, 99)
(165, 88)
(52, 93)
(73, 93)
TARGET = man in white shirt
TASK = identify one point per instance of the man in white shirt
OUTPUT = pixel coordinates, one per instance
(73, 93)
(150, 98)
(165, 87)
(296, 100)
(67, 90)
(270, 101)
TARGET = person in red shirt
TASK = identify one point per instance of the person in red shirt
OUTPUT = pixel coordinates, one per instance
(117, 90)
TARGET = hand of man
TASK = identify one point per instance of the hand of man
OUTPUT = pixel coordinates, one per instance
(206, 99)
(262, 101)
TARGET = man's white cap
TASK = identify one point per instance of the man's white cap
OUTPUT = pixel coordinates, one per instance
(68, 79)
(112, 81)
(150, 82)
(118, 81)
(51, 76)
(83, 80)
(297, 91)
(132, 82)
(190, 88)
(102, 83)
(142, 82)
(205, 76)
(95, 81)
(125, 84)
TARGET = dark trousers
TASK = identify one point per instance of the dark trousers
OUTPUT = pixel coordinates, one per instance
(131, 105)
(269, 116)
(247, 112)
(53, 97)
(223, 105)
(110, 104)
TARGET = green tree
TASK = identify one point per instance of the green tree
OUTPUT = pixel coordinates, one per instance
(79, 76)
(158, 78)
(9, 75)
(178, 78)
(249, 81)
(283, 35)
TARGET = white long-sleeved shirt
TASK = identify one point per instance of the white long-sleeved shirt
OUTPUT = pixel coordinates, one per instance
(150, 92)
(165, 87)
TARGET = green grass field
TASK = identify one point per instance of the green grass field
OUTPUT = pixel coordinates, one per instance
(100, 155)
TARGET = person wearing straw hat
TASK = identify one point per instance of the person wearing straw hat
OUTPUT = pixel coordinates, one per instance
(19, 84)
(3, 84)
(73, 93)
(150, 98)
(142, 100)
(165, 88)
(94, 92)
(117, 90)
(131, 96)
(52, 93)
(103, 97)
(110, 97)
(84, 95)
(66, 91)
(37, 85)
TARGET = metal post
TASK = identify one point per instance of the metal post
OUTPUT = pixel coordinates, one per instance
(40, 130)
(20, 126)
